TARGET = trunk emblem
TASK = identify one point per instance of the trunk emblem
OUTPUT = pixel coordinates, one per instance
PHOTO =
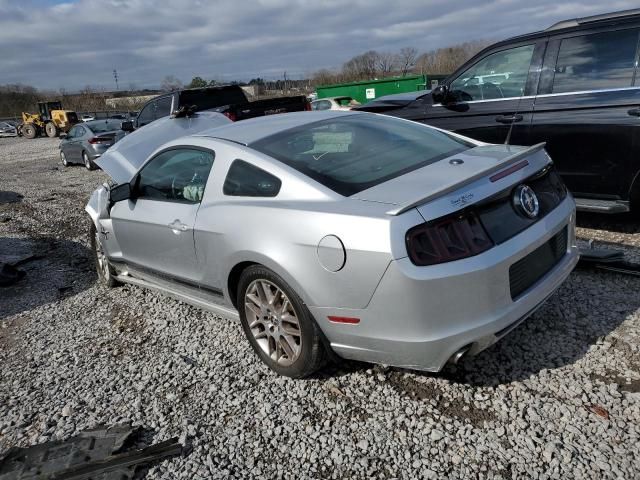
(525, 201)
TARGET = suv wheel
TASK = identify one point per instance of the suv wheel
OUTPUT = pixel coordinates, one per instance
(106, 274)
(278, 325)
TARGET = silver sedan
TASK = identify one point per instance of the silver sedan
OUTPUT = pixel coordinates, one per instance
(337, 234)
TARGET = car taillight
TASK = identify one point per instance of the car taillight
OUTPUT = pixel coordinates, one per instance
(307, 106)
(447, 239)
(231, 116)
(98, 140)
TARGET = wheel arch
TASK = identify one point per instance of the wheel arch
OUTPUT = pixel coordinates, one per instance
(244, 260)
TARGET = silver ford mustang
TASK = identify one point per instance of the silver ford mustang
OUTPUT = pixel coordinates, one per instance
(339, 234)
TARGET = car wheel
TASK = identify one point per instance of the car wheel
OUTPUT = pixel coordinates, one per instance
(89, 165)
(106, 274)
(279, 326)
(63, 159)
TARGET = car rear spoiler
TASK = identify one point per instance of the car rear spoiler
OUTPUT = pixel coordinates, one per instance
(448, 188)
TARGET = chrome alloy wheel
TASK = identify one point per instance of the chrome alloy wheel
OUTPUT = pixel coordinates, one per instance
(103, 264)
(273, 322)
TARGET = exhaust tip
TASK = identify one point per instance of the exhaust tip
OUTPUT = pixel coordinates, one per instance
(459, 355)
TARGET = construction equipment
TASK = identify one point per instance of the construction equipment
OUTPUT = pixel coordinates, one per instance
(51, 119)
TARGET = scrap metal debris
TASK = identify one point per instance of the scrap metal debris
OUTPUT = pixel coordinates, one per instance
(93, 454)
(9, 274)
(607, 259)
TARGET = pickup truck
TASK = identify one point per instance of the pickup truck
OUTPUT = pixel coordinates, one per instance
(230, 100)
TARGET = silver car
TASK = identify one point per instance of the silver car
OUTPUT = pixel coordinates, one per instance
(87, 141)
(338, 234)
(8, 129)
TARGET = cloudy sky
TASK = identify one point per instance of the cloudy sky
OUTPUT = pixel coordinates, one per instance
(72, 44)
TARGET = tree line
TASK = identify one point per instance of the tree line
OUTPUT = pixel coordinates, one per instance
(373, 64)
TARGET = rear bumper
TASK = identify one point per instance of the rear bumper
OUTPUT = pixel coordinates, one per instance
(420, 316)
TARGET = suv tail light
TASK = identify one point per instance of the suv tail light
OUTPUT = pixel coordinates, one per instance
(307, 106)
(447, 239)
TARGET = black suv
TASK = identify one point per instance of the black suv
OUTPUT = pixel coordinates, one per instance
(575, 85)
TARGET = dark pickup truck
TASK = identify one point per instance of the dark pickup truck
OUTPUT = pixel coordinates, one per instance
(229, 100)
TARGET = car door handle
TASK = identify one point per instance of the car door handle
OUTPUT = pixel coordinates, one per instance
(634, 112)
(177, 226)
(509, 118)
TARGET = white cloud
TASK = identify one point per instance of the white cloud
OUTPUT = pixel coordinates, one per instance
(79, 43)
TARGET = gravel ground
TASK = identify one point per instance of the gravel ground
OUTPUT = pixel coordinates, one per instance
(557, 398)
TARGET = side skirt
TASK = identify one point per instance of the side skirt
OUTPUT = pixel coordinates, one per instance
(198, 297)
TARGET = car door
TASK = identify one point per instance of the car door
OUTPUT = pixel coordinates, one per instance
(73, 148)
(155, 227)
(587, 110)
(491, 94)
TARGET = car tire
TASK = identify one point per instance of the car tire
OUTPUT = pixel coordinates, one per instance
(106, 273)
(88, 163)
(278, 325)
(51, 130)
(29, 131)
(63, 159)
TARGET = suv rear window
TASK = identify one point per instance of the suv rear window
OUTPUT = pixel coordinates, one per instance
(596, 62)
(351, 153)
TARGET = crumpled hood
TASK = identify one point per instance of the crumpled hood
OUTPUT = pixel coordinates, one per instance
(439, 178)
(124, 158)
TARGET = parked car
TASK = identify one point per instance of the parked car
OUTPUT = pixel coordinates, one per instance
(229, 100)
(118, 116)
(574, 86)
(87, 118)
(87, 141)
(367, 236)
(8, 130)
(334, 103)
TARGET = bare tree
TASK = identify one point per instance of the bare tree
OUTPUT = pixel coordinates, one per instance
(446, 60)
(170, 84)
(387, 63)
(407, 59)
(362, 66)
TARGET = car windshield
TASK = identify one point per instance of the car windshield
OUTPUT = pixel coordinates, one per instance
(102, 126)
(351, 153)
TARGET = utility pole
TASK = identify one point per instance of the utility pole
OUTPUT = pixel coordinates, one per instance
(115, 77)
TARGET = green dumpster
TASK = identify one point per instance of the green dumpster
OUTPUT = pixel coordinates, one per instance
(366, 91)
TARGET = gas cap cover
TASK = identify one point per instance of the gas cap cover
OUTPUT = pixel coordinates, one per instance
(331, 253)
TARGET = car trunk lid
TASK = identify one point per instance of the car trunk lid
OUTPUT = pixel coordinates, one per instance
(445, 176)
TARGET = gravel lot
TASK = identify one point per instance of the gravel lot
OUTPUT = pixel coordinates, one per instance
(558, 398)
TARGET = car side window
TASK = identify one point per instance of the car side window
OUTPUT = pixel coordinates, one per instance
(163, 108)
(597, 61)
(499, 75)
(321, 105)
(247, 180)
(178, 175)
(146, 115)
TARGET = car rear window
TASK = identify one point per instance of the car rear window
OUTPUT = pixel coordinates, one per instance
(351, 153)
(102, 126)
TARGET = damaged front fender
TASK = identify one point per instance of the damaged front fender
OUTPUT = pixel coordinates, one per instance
(98, 206)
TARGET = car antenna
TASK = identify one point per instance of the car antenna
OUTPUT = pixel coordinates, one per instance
(514, 117)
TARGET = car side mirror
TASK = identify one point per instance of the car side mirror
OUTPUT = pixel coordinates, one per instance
(121, 192)
(127, 126)
(441, 94)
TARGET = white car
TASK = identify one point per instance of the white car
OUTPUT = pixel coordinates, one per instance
(87, 118)
(334, 103)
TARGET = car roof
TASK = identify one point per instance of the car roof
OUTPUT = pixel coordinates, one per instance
(249, 131)
(576, 24)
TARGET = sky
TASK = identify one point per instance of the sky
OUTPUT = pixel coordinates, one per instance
(53, 44)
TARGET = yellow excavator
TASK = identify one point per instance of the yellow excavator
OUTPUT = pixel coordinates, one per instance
(50, 120)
